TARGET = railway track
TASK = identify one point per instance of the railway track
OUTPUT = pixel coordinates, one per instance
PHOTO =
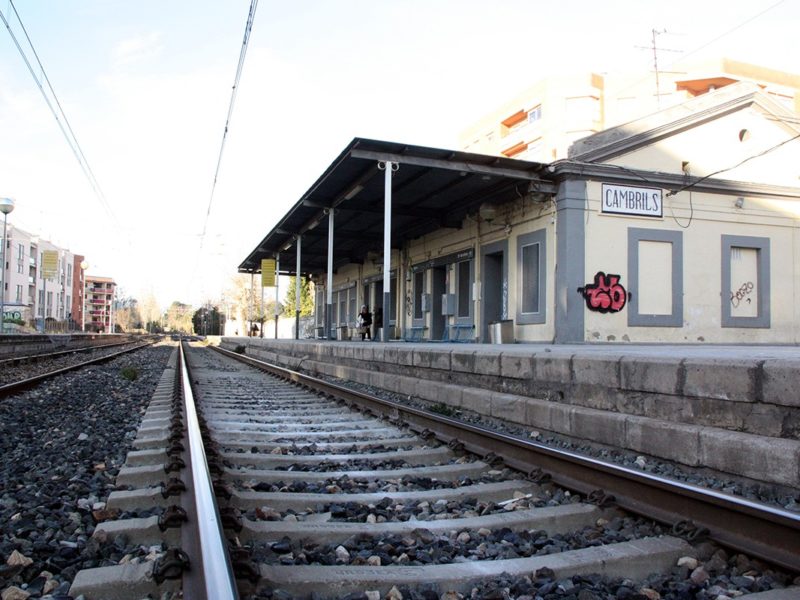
(16, 372)
(325, 492)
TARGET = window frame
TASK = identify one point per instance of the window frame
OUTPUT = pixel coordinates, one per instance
(467, 319)
(635, 318)
(539, 238)
(763, 279)
(418, 290)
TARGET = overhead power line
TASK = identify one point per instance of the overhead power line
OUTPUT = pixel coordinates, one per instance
(739, 164)
(239, 67)
(58, 112)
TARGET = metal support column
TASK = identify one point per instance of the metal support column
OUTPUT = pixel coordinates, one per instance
(329, 284)
(277, 287)
(251, 300)
(389, 167)
(297, 292)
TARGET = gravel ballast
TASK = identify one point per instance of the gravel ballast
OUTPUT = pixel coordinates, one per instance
(62, 444)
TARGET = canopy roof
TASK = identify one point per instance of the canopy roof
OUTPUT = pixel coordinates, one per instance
(432, 189)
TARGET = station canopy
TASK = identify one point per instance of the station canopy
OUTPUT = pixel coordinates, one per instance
(432, 189)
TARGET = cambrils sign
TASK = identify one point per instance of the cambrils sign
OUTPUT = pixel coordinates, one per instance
(631, 200)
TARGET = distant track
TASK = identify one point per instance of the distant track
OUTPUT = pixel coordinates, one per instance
(23, 384)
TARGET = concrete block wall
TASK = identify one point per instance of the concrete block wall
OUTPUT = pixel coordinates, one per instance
(738, 417)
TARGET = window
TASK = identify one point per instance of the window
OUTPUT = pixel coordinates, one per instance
(392, 301)
(464, 286)
(655, 278)
(531, 281)
(49, 304)
(69, 274)
(320, 307)
(19, 293)
(352, 309)
(343, 307)
(40, 310)
(745, 281)
(535, 114)
(419, 289)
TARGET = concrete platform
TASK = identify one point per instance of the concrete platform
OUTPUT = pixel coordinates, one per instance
(734, 409)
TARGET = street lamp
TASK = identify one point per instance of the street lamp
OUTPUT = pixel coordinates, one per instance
(6, 206)
(84, 266)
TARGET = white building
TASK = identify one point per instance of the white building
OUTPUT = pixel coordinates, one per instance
(26, 294)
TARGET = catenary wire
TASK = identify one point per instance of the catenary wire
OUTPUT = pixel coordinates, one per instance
(62, 121)
(740, 163)
(239, 67)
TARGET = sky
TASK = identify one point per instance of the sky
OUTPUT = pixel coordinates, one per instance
(146, 86)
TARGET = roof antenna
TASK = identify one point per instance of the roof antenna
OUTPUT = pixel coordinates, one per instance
(655, 49)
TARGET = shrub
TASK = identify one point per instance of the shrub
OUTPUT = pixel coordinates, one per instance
(442, 409)
(130, 373)
(239, 349)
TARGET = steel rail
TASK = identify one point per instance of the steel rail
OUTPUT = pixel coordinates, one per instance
(17, 386)
(216, 571)
(766, 532)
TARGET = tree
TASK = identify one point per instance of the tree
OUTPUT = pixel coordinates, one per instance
(179, 317)
(306, 298)
(207, 321)
(150, 312)
(127, 315)
(246, 305)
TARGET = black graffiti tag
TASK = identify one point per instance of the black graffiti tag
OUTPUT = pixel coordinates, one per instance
(742, 293)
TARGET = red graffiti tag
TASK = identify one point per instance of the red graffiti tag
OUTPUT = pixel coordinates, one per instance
(606, 294)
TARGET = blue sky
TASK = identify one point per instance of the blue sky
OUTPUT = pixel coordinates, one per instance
(146, 87)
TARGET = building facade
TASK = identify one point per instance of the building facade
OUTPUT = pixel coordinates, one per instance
(542, 122)
(679, 227)
(28, 295)
(99, 305)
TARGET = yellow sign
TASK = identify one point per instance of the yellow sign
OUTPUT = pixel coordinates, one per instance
(49, 263)
(267, 272)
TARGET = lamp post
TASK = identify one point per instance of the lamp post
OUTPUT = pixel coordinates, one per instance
(6, 206)
(84, 266)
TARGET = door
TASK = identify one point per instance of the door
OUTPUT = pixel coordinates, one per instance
(439, 287)
(494, 286)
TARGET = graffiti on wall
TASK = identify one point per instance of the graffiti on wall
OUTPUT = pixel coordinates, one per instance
(742, 294)
(605, 295)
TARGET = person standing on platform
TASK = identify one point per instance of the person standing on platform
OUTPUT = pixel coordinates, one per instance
(364, 322)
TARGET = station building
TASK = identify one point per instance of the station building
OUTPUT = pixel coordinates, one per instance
(678, 227)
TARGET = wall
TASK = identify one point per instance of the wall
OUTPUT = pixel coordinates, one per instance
(700, 227)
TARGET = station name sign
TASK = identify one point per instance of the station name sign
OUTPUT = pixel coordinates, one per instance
(631, 200)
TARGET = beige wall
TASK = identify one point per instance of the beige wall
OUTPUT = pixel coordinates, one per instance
(713, 216)
(715, 145)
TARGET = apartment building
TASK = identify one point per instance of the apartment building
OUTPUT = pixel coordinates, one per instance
(99, 305)
(27, 294)
(542, 122)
